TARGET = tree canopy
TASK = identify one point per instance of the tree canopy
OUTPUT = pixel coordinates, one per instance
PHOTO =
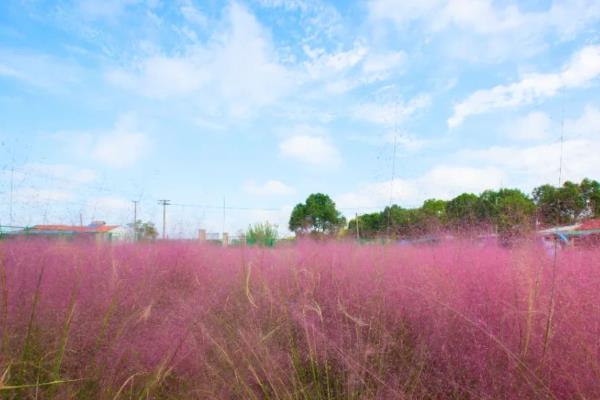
(508, 212)
(568, 203)
(317, 215)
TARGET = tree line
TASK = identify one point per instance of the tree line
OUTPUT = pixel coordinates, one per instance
(507, 212)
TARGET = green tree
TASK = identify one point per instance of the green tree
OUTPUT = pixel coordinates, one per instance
(568, 203)
(572, 203)
(487, 207)
(262, 234)
(402, 222)
(545, 198)
(513, 213)
(590, 190)
(462, 211)
(510, 211)
(317, 215)
(432, 215)
(144, 230)
(369, 225)
(435, 208)
(299, 221)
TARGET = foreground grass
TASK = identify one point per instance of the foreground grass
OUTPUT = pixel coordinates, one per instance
(314, 321)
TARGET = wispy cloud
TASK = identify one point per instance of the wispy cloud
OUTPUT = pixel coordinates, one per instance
(533, 126)
(104, 9)
(540, 163)
(38, 70)
(480, 30)
(582, 69)
(211, 74)
(269, 188)
(391, 112)
(441, 181)
(311, 150)
(60, 172)
(34, 196)
(119, 147)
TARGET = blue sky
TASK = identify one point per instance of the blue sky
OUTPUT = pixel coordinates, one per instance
(260, 103)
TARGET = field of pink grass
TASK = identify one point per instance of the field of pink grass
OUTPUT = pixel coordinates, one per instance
(324, 320)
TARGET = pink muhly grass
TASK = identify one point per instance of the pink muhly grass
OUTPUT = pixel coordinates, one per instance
(317, 320)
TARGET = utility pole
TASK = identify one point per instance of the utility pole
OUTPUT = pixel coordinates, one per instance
(223, 231)
(393, 168)
(10, 202)
(356, 219)
(164, 203)
(392, 187)
(135, 203)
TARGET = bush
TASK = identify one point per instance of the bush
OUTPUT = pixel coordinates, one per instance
(262, 235)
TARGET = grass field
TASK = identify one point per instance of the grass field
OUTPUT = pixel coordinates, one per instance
(322, 320)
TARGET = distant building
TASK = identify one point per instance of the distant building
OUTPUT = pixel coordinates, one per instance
(591, 224)
(97, 230)
(584, 233)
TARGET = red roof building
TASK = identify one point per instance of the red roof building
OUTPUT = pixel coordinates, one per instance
(590, 224)
(97, 230)
(73, 228)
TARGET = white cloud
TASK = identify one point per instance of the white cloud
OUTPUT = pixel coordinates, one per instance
(404, 140)
(509, 166)
(39, 70)
(279, 217)
(104, 9)
(162, 77)
(383, 62)
(402, 12)
(268, 188)
(312, 150)
(583, 67)
(192, 14)
(319, 20)
(35, 196)
(212, 74)
(587, 125)
(109, 204)
(60, 172)
(442, 182)
(533, 126)
(388, 113)
(9, 72)
(529, 166)
(487, 30)
(343, 70)
(323, 64)
(448, 181)
(539, 164)
(121, 147)
(239, 220)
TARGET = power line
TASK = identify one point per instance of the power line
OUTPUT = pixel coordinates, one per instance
(562, 143)
(393, 165)
(214, 207)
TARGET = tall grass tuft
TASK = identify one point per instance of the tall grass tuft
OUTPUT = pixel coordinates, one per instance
(313, 321)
